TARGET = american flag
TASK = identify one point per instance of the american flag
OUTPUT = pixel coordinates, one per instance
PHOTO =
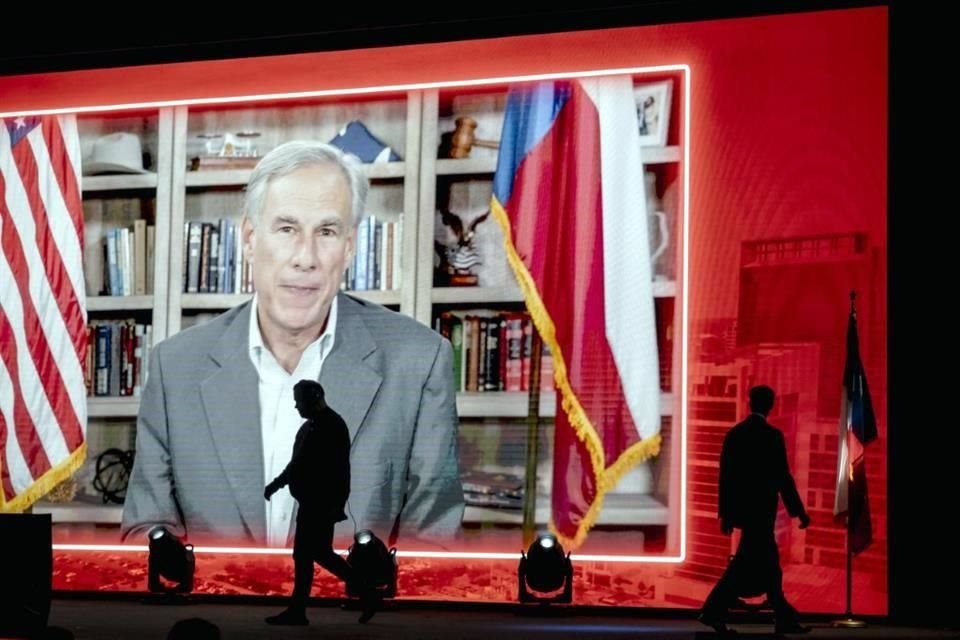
(43, 337)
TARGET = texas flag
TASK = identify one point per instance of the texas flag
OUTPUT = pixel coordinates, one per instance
(569, 195)
(858, 428)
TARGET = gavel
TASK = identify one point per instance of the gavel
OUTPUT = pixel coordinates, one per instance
(464, 138)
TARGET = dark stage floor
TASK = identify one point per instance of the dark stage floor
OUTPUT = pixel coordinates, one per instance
(105, 620)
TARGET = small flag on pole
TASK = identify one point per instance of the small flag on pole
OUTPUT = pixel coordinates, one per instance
(858, 428)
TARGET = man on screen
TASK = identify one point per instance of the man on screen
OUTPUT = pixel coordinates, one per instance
(217, 418)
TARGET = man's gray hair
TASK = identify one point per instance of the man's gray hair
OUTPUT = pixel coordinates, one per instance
(296, 154)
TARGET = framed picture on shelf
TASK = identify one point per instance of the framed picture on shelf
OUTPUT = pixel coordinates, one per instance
(653, 111)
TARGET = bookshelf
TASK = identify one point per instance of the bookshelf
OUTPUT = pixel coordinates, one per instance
(217, 194)
(618, 510)
(412, 124)
(113, 407)
(118, 200)
(81, 512)
(140, 204)
(513, 404)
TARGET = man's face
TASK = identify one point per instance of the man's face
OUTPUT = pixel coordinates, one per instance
(300, 248)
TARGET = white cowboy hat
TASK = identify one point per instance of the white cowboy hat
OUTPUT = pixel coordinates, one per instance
(115, 153)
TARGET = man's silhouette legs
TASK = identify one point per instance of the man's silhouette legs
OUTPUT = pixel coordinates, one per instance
(312, 542)
(762, 551)
(755, 569)
(327, 558)
(722, 597)
(787, 618)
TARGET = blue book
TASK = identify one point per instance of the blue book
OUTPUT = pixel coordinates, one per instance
(363, 246)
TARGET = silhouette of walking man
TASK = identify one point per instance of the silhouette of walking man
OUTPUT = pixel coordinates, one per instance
(753, 473)
(319, 478)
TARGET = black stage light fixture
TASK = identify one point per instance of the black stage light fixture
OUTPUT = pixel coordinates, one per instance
(545, 573)
(374, 566)
(171, 564)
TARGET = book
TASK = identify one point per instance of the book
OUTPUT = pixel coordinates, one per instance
(489, 489)
(139, 257)
(223, 163)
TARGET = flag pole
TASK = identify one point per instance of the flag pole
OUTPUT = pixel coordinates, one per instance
(533, 436)
(848, 621)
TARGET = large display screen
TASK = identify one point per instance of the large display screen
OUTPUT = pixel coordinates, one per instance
(569, 271)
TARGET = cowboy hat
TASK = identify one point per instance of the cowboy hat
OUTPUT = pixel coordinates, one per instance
(115, 153)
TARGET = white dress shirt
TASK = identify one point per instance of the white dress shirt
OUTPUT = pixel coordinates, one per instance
(279, 418)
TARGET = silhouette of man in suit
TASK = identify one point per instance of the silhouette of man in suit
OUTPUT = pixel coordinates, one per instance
(753, 473)
(319, 478)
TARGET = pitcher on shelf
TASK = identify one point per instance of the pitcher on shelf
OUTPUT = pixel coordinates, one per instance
(655, 210)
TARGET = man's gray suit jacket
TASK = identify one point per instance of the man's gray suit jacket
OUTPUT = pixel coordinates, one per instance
(199, 456)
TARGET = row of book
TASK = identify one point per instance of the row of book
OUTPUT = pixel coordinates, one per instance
(491, 350)
(118, 252)
(213, 259)
(376, 264)
(492, 489)
(117, 357)
(127, 266)
(214, 262)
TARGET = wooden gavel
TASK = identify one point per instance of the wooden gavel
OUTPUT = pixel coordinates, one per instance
(464, 138)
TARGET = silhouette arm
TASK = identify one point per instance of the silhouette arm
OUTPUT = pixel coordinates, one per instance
(151, 498)
(283, 479)
(345, 464)
(725, 499)
(788, 488)
(433, 509)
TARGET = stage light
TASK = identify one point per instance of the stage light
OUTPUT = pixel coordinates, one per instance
(374, 566)
(545, 572)
(170, 560)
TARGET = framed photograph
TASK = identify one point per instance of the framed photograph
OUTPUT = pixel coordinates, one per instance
(653, 111)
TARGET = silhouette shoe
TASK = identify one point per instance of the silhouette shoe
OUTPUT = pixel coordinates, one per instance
(290, 617)
(369, 609)
(791, 627)
(717, 625)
